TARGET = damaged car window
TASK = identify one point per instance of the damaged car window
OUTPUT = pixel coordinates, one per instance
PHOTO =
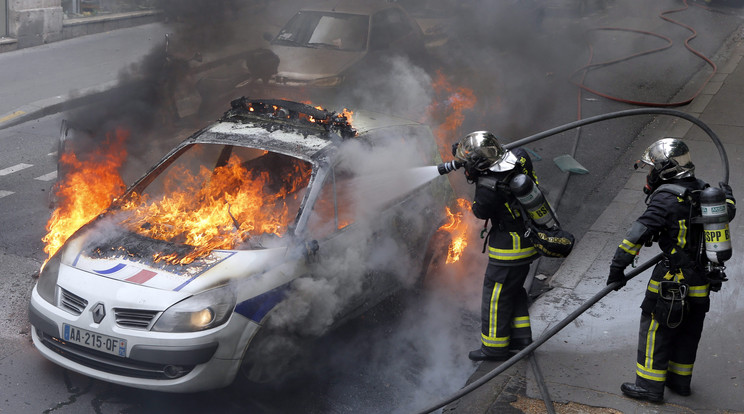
(217, 197)
(335, 207)
(337, 30)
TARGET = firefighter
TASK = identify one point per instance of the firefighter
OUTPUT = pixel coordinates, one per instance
(677, 295)
(505, 319)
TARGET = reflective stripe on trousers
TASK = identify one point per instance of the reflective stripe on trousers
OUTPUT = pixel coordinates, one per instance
(504, 307)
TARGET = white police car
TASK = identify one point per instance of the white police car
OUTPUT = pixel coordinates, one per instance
(250, 236)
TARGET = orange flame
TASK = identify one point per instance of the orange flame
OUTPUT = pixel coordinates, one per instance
(458, 229)
(451, 103)
(88, 188)
(211, 209)
(215, 209)
(348, 114)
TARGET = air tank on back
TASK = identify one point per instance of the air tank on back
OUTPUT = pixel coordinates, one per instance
(532, 199)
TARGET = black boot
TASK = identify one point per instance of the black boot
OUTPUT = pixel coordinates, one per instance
(636, 391)
(479, 355)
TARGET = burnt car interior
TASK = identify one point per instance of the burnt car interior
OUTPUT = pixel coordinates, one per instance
(221, 196)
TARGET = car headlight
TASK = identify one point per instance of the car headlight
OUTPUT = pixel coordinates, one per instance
(199, 312)
(47, 284)
(328, 82)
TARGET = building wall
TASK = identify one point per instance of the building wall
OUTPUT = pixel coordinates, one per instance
(34, 22)
(37, 22)
(3, 18)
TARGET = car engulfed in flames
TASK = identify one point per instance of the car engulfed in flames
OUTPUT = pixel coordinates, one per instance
(210, 267)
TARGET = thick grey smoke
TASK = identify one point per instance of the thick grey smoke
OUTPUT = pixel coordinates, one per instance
(494, 49)
(376, 183)
(394, 86)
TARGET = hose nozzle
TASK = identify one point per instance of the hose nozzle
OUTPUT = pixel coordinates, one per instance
(448, 167)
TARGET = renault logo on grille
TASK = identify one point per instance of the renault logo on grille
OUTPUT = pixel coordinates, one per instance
(99, 312)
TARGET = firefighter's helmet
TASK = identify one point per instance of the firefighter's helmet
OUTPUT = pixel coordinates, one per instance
(670, 157)
(483, 150)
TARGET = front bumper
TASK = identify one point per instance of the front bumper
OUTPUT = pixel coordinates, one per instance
(155, 361)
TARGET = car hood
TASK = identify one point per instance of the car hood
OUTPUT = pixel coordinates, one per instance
(307, 64)
(217, 268)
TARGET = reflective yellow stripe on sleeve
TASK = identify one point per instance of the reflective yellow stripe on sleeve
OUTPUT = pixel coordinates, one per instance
(630, 247)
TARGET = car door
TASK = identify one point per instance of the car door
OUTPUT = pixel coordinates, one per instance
(347, 245)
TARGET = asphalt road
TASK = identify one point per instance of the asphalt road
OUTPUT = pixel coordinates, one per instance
(522, 87)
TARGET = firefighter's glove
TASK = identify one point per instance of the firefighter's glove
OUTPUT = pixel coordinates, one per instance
(474, 167)
(617, 274)
(715, 285)
(730, 200)
(727, 190)
(716, 277)
(454, 148)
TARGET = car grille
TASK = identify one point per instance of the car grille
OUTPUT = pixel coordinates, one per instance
(126, 318)
(110, 363)
(134, 318)
(71, 302)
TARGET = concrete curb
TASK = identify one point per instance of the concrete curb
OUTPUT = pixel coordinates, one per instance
(56, 104)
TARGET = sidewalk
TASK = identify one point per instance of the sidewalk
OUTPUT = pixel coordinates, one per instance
(41, 80)
(586, 362)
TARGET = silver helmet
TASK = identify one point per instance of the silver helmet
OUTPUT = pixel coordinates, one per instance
(484, 149)
(670, 157)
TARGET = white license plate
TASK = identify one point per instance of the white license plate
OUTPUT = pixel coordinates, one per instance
(99, 342)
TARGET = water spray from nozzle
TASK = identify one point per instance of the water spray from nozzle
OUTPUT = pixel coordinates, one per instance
(448, 167)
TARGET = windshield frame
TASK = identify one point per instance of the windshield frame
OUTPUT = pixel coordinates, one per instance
(304, 40)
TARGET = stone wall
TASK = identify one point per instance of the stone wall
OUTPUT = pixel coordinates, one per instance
(34, 22)
(37, 22)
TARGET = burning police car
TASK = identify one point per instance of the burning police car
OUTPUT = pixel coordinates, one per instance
(256, 232)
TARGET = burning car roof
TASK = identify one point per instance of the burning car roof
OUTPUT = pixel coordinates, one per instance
(292, 128)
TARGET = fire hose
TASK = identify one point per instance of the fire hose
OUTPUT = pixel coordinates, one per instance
(607, 289)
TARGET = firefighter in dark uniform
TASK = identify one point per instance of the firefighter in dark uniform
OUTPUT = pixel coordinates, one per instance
(505, 319)
(677, 296)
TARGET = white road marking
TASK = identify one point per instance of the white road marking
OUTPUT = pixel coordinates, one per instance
(47, 177)
(5, 193)
(15, 168)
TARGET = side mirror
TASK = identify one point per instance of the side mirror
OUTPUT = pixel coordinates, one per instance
(267, 36)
